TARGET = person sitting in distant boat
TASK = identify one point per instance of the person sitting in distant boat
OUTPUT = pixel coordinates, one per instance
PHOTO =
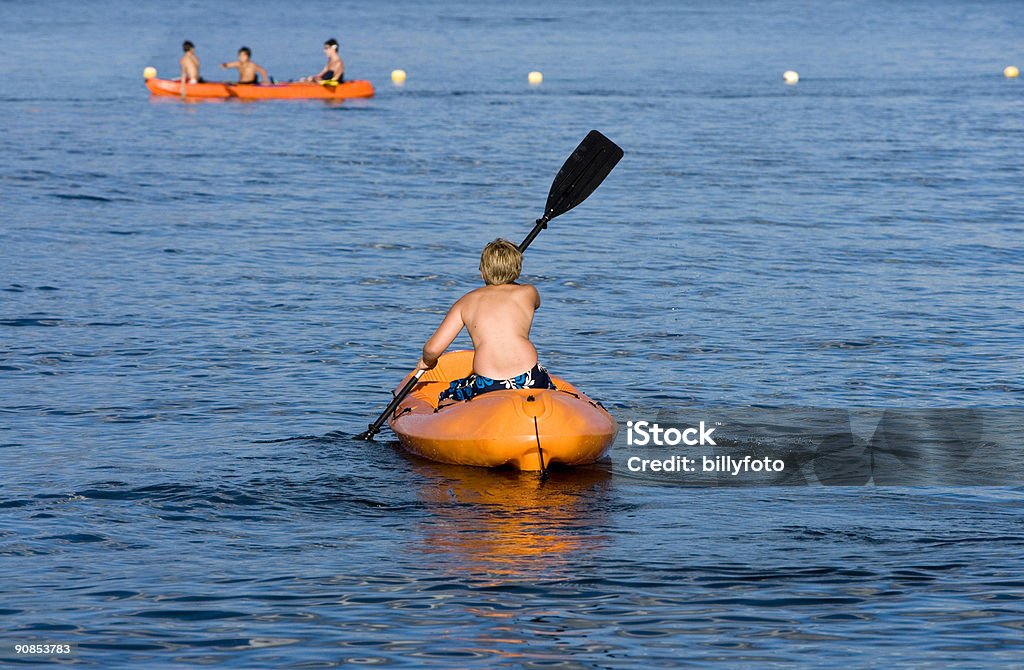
(498, 317)
(335, 68)
(248, 71)
(189, 64)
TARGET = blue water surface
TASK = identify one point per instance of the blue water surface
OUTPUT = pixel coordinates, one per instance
(201, 302)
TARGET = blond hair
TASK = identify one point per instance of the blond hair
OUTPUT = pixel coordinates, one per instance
(501, 262)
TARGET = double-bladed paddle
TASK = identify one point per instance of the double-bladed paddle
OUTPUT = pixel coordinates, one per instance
(582, 172)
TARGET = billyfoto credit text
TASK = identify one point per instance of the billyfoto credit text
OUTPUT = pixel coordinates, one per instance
(645, 433)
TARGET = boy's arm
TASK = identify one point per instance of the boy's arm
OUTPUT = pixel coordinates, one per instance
(266, 77)
(536, 297)
(233, 63)
(445, 334)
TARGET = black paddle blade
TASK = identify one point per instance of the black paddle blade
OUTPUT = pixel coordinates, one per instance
(583, 172)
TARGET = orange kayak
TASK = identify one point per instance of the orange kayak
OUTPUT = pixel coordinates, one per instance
(293, 90)
(501, 427)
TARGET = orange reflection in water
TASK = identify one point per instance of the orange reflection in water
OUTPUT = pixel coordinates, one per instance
(511, 525)
(501, 535)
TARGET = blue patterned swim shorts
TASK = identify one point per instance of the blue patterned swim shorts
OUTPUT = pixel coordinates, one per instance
(473, 385)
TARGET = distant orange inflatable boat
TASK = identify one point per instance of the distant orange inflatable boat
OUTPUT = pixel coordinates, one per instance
(528, 429)
(294, 90)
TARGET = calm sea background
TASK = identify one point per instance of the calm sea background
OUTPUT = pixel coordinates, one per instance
(201, 303)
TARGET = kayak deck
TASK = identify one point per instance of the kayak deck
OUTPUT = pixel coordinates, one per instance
(290, 90)
(501, 428)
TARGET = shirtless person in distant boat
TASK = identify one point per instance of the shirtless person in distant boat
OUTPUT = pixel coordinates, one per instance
(189, 64)
(498, 317)
(335, 68)
(248, 72)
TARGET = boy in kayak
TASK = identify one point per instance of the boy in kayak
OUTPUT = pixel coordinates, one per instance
(248, 72)
(335, 68)
(189, 64)
(498, 317)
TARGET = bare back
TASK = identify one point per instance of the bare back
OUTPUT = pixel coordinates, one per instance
(189, 67)
(498, 319)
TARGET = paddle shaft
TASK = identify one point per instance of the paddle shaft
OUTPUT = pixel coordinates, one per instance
(399, 397)
(540, 225)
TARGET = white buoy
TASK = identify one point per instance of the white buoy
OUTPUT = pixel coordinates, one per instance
(535, 78)
(398, 77)
(790, 77)
(149, 72)
(1011, 72)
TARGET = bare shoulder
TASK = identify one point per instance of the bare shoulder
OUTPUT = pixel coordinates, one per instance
(530, 293)
(471, 297)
